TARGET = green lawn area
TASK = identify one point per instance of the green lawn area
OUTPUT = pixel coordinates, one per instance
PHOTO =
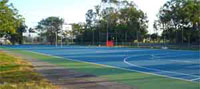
(135, 79)
(16, 73)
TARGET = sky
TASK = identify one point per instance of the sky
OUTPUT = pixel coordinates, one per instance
(73, 11)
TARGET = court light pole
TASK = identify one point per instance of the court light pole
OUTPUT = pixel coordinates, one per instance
(62, 33)
(138, 35)
(61, 36)
(56, 32)
(137, 39)
(182, 35)
(61, 44)
(107, 35)
(92, 36)
(108, 21)
(56, 38)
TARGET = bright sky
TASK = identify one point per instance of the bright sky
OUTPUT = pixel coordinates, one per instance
(73, 11)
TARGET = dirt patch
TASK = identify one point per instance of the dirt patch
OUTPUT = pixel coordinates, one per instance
(70, 79)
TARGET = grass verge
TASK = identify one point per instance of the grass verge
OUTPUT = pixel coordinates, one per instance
(135, 79)
(16, 73)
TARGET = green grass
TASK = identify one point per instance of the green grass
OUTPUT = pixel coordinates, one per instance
(135, 79)
(16, 73)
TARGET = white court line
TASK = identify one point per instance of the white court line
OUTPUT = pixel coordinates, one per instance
(100, 56)
(195, 79)
(113, 67)
(182, 61)
(163, 56)
(116, 51)
(125, 61)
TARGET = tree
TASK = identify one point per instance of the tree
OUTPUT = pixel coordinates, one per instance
(78, 30)
(50, 27)
(11, 23)
(120, 21)
(90, 20)
(180, 20)
(18, 36)
(154, 36)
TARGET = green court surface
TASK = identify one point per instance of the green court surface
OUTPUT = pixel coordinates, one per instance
(135, 79)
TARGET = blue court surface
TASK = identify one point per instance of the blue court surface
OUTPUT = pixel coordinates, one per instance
(177, 64)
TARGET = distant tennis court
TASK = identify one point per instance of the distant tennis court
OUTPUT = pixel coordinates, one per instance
(184, 65)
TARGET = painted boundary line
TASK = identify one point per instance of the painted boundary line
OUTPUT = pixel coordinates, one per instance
(196, 79)
(111, 66)
(162, 71)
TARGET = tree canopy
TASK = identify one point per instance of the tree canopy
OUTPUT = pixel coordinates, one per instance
(123, 21)
(180, 21)
(50, 27)
(11, 23)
